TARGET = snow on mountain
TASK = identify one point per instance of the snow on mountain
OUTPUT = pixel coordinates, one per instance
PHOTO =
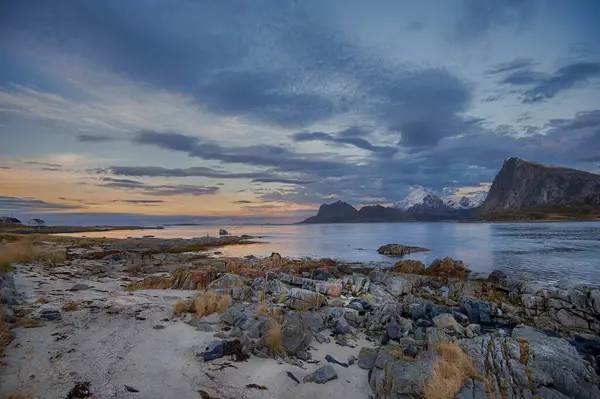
(420, 199)
(466, 202)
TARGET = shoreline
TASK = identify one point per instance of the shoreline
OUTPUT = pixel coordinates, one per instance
(70, 229)
(128, 309)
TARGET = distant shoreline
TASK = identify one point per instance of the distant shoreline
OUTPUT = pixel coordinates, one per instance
(70, 229)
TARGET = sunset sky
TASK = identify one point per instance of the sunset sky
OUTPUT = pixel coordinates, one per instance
(164, 111)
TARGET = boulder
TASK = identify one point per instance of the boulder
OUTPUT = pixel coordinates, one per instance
(50, 314)
(194, 280)
(447, 268)
(410, 267)
(227, 281)
(223, 232)
(532, 360)
(480, 312)
(399, 250)
(394, 285)
(80, 287)
(321, 375)
(358, 284)
(331, 289)
(367, 357)
(295, 337)
(393, 378)
(214, 350)
(496, 275)
(447, 322)
(300, 299)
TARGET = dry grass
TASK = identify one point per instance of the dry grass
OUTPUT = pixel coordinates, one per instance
(179, 307)
(210, 302)
(200, 307)
(262, 309)
(71, 306)
(450, 371)
(5, 267)
(25, 251)
(152, 283)
(41, 299)
(26, 323)
(223, 303)
(5, 335)
(274, 338)
(277, 314)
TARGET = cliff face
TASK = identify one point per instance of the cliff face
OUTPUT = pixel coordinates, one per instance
(338, 211)
(523, 184)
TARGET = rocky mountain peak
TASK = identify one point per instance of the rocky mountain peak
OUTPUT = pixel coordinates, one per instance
(420, 199)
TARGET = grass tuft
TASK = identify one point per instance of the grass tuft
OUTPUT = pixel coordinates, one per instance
(71, 306)
(179, 307)
(274, 338)
(223, 303)
(5, 336)
(41, 299)
(208, 303)
(450, 371)
(25, 251)
(200, 307)
(262, 309)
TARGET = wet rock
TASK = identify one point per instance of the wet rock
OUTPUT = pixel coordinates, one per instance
(399, 250)
(366, 358)
(331, 359)
(50, 314)
(223, 232)
(80, 287)
(214, 350)
(410, 267)
(301, 299)
(447, 322)
(321, 375)
(448, 267)
(497, 275)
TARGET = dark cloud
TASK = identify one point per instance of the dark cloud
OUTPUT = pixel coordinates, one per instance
(158, 190)
(242, 202)
(46, 164)
(94, 138)
(30, 204)
(4, 167)
(196, 171)
(283, 181)
(142, 201)
(348, 137)
(52, 169)
(280, 158)
(512, 66)
(564, 78)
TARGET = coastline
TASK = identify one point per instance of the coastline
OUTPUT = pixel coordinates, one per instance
(15, 229)
(127, 308)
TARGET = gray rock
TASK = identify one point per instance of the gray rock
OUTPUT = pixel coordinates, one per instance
(214, 350)
(50, 314)
(80, 287)
(480, 312)
(321, 375)
(514, 321)
(341, 326)
(461, 318)
(331, 359)
(303, 355)
(497, 275)
(411, 351)
(352, 360)
(301, 299)
(367, 357)
(320, 338)
(448, 323)
(393, 331)
(295, 337)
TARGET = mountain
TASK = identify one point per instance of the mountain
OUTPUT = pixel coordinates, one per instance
(522, 184)
(466, 202)
(338, 211)
(420, 200)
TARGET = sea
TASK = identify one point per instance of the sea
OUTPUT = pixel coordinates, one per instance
(543, 252)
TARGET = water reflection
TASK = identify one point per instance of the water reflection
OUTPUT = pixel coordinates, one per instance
(541, 251)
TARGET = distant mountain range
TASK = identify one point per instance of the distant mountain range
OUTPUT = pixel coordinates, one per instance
(521, 190)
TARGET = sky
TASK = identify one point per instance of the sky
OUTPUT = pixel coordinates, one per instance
(146, 111)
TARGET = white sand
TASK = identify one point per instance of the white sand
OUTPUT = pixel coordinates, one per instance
(105, 345)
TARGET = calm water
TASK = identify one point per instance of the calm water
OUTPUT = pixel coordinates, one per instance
(540, 251)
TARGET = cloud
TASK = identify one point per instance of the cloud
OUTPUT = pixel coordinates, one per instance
(511, 66)
(283, 181)
(29, 204)
(158, 190)
(4, 167)
(196, 171)
(563, 79)
(94, 138)
(242, 202)
(50, 165)
(479, 17)
(344, 138)
(142, 201)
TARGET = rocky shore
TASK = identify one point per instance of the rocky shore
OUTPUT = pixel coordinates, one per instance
(171, 318)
